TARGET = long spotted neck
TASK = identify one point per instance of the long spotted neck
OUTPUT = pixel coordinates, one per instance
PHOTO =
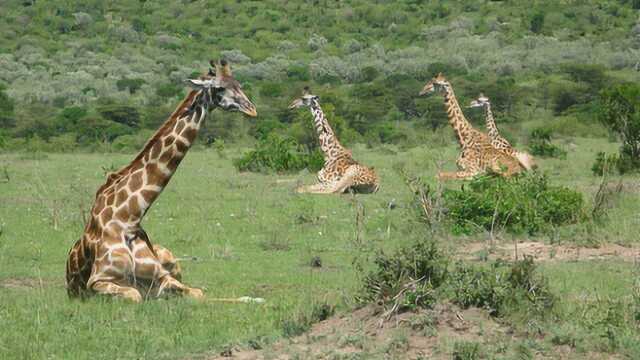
(460, 125)
(329, 143)
(492, 129)
(147, 175)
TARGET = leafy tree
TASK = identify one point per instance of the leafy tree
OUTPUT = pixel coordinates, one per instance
(122, 114)
(7, 105)
(536, 23)
(132, 85)
(620, 112)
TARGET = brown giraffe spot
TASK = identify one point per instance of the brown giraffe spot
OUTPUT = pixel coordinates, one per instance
(156, 149)
(148, 195)
(135, 182)
(179, 126)
(122, 196)
(169, 140)
(137, 165)
(155, 176)
(167, 155)
(174, 162)
(100, 204)
(123, 214)
(181, 146)
(134, 206)
(111, 199)
(106, 215)
(121, 184)
(92, 227)
(115, 228)
(190, 134)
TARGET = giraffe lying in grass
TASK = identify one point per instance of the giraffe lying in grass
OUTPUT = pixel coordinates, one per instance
(477, 155)
(115, 256)
(340, 173)
(499, 142)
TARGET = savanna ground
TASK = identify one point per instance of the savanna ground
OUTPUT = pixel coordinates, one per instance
(250, 234)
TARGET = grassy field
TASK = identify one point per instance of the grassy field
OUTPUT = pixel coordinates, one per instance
(252, 235)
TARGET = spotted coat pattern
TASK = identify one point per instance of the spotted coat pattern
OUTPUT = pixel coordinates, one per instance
(340, 173)
(477, 154)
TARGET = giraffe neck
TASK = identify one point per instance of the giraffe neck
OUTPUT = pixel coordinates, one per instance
(460, 125)
(329, 143)
(136, 186)
(492, 129)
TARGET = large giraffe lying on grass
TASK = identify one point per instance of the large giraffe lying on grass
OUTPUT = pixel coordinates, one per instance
(340, 173)
(477, 155)
(499, 142)
(114, 256)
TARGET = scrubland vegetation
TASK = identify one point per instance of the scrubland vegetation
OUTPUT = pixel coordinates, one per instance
(83, 84)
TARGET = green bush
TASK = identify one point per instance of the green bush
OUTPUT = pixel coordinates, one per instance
(406, 279)
(540, 144)
(525, 204)
(501, 287)
(279, 154)
(605, 163)
(620, 112)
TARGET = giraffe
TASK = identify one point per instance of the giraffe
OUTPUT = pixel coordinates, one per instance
(115, 256)
(477, 155)
(340, 172)
(498, 142)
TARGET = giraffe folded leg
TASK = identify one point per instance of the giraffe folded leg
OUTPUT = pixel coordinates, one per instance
(109, 288)
(313, 189)
(169, 284)
(457, 175)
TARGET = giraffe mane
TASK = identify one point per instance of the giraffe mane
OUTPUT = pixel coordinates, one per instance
(188, 100)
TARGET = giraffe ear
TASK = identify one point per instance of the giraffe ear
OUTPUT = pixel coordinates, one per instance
(223, 69)
(199, 84)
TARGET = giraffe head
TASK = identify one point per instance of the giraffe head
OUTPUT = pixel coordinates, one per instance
(436, 84)
(307, 99)
(222, 90)
(480, 101)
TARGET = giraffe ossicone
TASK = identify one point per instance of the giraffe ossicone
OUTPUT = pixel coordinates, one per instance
(115, 256)
(340, 172)
(477, 155)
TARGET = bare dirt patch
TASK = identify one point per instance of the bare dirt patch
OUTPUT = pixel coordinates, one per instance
(545, 252)
(428, 334)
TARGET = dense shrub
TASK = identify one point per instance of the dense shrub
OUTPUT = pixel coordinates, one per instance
(605, 163)
(501, 287)
(279, 154)
(7, 105)
(540, 144)
(407, 278)
(525, 204)
(620, 112)
(121, 114)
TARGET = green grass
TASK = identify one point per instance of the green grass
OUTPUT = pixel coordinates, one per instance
(252, 236)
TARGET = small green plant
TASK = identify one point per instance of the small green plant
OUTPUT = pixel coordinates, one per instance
(219, 146)
(605, 163)
(302, 322)
(279, 154)
(540, 144)
(466, 350)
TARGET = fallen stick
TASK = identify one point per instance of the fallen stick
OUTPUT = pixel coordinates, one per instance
(243, 300)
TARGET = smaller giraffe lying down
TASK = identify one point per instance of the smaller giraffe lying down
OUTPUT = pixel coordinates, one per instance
(477, 154)
(340, 173)
(498, 142)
